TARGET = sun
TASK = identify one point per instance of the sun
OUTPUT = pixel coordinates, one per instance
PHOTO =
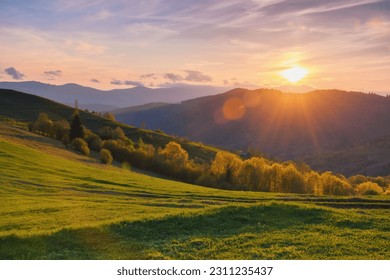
(294, 74)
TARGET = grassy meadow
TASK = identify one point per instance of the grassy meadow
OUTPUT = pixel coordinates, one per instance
(56, 204)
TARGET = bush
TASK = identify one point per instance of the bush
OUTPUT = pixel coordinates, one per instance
(105, 156)
(61, 130)
(118, 133)
(369, 188)
(119, 150)
(94, 141)
(108, 133)
(96, 144)
(80, 145)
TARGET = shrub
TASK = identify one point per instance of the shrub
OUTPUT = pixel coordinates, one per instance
(61, 129)
(105, 156)
(109, 116)
(96, 144)
(120, 151)
(108, 133)
(105, 132)
(94, 141)
(369, 188)
(80, 145)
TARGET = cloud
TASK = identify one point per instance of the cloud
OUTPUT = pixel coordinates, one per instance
(197, 76)
(94, 81)
(52, 73)
(16, 75)
(149, 76)
(173, 77)
(192, 76)
(127, 83)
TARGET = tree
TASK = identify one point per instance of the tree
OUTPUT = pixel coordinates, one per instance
(175, 155)
(43, 124)
(118, 133)
(292, 180)
(76, 127)
(61, 130)
(226, 167)
(369, 188)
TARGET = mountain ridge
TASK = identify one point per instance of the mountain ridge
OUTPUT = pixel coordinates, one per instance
(111, 99)
(279, 125)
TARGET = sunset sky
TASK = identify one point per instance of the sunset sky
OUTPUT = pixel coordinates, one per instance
(342, 44)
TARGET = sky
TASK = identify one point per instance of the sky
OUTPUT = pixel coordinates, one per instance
(342, 44)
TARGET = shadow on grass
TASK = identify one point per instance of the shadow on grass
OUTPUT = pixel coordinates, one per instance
(133, 240)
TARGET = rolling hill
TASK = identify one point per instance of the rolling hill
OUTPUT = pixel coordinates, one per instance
(285, 126)
(100, 100)
(60, 205)
(26, 108)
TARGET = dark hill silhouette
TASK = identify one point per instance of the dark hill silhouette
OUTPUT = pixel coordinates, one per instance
(281, 125)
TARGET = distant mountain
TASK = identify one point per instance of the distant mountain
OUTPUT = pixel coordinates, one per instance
(99, 100)
(286, 126)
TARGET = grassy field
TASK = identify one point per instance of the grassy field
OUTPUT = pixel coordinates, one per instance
(56, 204)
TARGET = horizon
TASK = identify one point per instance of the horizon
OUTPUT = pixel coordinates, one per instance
(288, 88)
(248, 44)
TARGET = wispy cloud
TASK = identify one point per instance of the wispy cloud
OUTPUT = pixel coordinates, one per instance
(197, 76)
(94, 81)
(153, 76)
(173, 77)
(191, 76)
(52, 73)
(127, 83)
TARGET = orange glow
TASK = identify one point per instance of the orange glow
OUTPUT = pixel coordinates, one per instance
(251, 100)
(294, 74)
(233, 109)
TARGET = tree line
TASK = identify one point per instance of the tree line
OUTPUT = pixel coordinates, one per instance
(226, 170)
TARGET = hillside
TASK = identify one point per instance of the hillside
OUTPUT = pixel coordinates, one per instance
(108, 100)
(26, 108)
(60, 205)
(282, 125)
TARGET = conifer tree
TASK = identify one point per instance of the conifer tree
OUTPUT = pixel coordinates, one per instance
(76, 127)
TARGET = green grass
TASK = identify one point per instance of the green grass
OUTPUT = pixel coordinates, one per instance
(59, 205)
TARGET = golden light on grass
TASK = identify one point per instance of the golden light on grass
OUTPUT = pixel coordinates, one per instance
(294, 74)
